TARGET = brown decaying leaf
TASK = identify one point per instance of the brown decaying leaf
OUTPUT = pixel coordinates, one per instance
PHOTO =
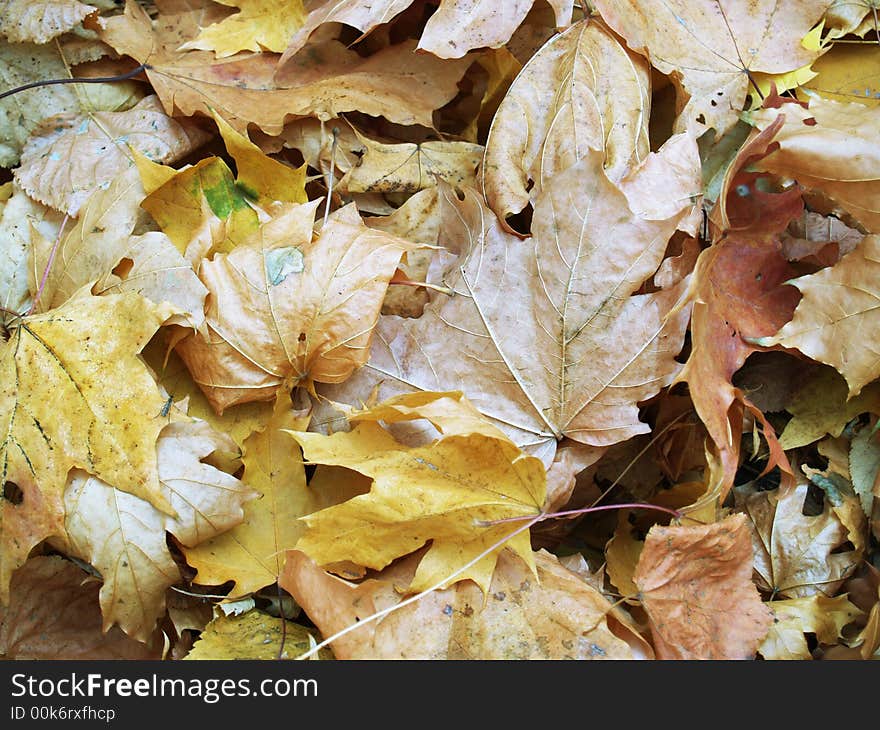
(695, 584)
(289, 308)
(545, 336)
(53, 613)
(541, 129)
(831, 147)
(554, 616)
(795, 554)
(70, 156)
(709, 48)
(394, 83)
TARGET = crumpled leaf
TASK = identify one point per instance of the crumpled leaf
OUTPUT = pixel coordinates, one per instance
(69, 157)
(541, 129)
(259, 25)
(836, 320)
(695, 584)
(20, 64)
(457, 27)
(394, 83)
(100, 250)
(123, 536)
(251, 636)
(554, 615)
(864, 466)
(545, 336)
(53, 613)
(709, 48)
(795, 554)
(444, 491)
(39, 21)
(285, 306)
(830, 147)
(410, 167)
(825, 617)
(75, 395)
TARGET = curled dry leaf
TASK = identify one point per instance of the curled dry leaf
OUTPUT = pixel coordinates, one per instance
(39, 21)
(285, 307)
(457, 27)
(100, 251)
(825, 617)
(546, 336)
(554, 615)
(710, 48)
(124, 536)
(394, 83)
(830, 147)
(76, 395)
(54, 614)
(695, 584)
(69, 157)
(836, 321)
(796, 555)
(541, 129)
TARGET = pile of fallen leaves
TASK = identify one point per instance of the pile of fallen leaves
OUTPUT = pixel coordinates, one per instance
(440, 329)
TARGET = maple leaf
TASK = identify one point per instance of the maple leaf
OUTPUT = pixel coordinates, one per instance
(695, 585)
(39, 21)
(253, 635)
(710, 48)
(441, 492)
(554, 615)
(100, 416)
(541, 129)
(411, 167)
(825, 617)
(545, 336)
(835, 319)
(251, 553)
(830, 147)
(456, 28)
(259, 25)
(394, 83)
(795, 554)
(124, 537)
(286, 307)
(70, 156)
(53, 613)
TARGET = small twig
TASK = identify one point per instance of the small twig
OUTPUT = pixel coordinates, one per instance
(78, 80)
(332, 170)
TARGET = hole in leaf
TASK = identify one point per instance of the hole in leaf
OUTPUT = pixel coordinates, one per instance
(521, 222)
(123, 268)
(13, 493)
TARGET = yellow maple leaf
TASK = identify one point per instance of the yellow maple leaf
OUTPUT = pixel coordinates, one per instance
(75, 394)
(446, 492)
(259, 25)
